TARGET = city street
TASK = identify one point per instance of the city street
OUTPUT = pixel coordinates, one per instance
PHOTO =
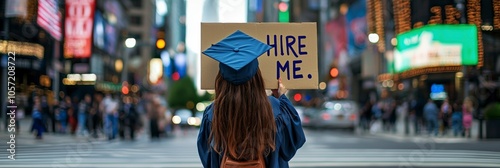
(322, 149)
(406, 83)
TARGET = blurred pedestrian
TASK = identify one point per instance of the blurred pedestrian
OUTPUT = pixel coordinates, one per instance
(142, 106)
(139, 108)
(53, 107)
(377, 111)
(96, 115)
(365, 115)
(168, 129)
(154, 117)
(83, 113)
(74, 115)
(431, 112)
(56, 108)
(392, 106)
(385, 101)
(467, 111)
(110, 105)
(244, 125)
(37, 117)
(46, 114)
(62, 115)
(128, 118)
(409, 116)
(419, 113)
(19, 115)
(456, 120)
(376, 124)
(445, 113)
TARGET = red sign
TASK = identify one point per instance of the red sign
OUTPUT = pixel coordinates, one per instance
(78, 30)
(49, 17)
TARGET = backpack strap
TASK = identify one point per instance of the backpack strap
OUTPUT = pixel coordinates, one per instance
(227, 162)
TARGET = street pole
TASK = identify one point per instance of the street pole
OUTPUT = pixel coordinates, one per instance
(126, 50)
(466, 82)
(461, 7)
(322, 32)
(126, 54)
(55, 84)
(270, 12)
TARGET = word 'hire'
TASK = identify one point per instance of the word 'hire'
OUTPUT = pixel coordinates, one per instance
(286, 43)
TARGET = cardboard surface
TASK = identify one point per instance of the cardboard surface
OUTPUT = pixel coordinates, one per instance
(294, 56)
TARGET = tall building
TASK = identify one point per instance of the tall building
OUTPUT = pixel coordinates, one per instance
(30, 37)
(141, 18)
(445, 65)
(109, 24)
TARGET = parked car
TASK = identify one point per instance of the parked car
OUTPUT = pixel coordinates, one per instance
(335, 114)
(181, 117)
(196, 120)
(305, 114)
(168, 122)
(198, 116)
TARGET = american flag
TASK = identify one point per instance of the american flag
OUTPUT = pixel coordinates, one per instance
(49, 17)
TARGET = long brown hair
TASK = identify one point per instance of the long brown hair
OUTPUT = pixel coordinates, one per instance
(243, 125)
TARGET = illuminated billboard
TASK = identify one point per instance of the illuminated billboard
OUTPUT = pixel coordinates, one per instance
(438, 92)
(49, 17)
(78, 28)
(436, 45)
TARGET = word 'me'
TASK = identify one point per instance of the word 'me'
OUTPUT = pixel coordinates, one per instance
(292, 45)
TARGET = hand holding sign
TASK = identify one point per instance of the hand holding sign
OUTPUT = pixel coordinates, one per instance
(292, 57)
(280, 91)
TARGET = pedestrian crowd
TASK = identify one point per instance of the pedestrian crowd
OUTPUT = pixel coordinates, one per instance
(453, 118)
(100, 114)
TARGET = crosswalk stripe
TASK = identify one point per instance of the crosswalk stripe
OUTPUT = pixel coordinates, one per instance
(300, 153)
(389, 164)
(183, 153)
(124, 165)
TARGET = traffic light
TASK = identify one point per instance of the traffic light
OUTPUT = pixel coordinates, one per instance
(176, 76)
(160, 41)
(297, 97)
(334, 72)
(284, 11)
(125, 89)
(160, 44)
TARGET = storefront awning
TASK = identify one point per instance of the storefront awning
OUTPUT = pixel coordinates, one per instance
(21, 48)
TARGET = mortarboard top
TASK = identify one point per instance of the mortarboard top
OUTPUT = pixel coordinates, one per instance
(237, 56)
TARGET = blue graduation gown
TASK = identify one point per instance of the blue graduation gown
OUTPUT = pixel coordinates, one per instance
(290, 136)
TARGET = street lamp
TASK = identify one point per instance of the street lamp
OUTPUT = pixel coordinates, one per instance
(130, 42)
(155, 70)
(119, 65)
(373, 37)
(127, 49)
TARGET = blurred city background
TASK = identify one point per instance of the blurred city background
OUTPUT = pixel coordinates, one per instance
(403, 83)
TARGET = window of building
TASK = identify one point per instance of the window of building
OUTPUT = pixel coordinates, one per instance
(137, 3)
(137, 49)
(135, 20)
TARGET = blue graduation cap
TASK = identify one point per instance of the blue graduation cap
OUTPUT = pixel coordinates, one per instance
(237, 56)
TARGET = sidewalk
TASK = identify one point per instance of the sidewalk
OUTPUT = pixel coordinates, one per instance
(448, 138)
(24, 136)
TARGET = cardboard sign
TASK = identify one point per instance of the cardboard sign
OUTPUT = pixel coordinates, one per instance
(293, 56)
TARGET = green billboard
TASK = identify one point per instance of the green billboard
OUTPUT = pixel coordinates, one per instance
(436, 45)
